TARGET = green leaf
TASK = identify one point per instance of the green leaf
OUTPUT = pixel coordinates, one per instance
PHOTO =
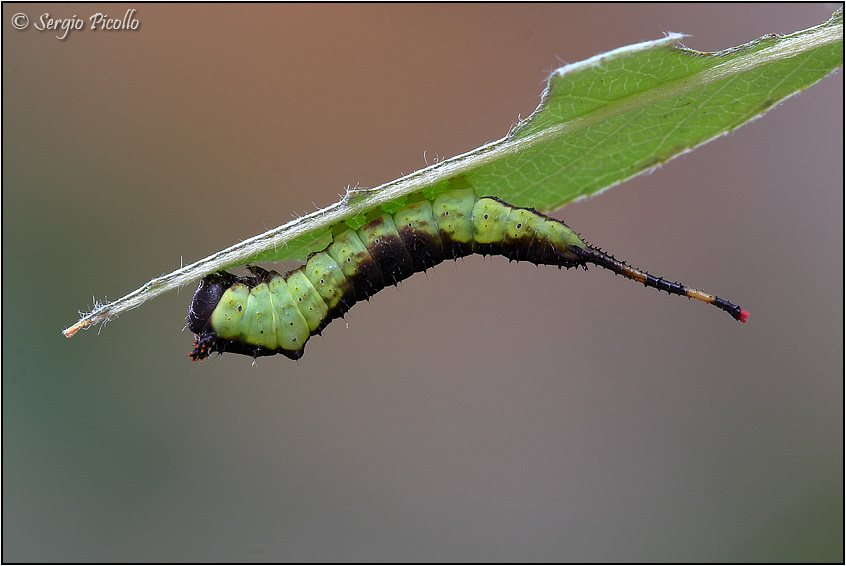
(616, 115)
(600, 122)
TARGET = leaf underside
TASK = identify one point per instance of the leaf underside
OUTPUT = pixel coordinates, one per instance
(600, 122)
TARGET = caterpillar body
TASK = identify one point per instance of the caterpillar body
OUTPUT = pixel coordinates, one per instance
(268, 313)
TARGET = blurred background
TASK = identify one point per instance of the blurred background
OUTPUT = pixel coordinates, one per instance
(480, 412)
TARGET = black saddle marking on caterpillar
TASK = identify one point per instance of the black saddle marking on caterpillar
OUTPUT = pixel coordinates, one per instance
(268, 313)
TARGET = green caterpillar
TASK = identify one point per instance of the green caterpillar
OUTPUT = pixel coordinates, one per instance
(267, 313)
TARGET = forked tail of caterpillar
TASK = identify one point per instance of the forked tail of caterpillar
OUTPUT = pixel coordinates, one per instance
(602, 259)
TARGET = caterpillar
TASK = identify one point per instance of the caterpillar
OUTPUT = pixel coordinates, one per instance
(268, 313)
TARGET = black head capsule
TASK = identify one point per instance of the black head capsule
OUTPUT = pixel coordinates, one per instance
(206, 298)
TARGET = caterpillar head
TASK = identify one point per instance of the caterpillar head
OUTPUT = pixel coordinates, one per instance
(210, 292)
(205, 300)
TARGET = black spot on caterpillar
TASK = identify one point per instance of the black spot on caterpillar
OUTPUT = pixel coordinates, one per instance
(267, 313)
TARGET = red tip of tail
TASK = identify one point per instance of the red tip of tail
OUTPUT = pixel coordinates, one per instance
(744, 316)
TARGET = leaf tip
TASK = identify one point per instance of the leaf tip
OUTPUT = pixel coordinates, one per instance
(69, 332)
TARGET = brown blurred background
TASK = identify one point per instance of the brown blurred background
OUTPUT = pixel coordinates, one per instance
(481, 412)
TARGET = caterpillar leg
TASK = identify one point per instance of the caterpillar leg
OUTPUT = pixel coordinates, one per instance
(602, 259)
